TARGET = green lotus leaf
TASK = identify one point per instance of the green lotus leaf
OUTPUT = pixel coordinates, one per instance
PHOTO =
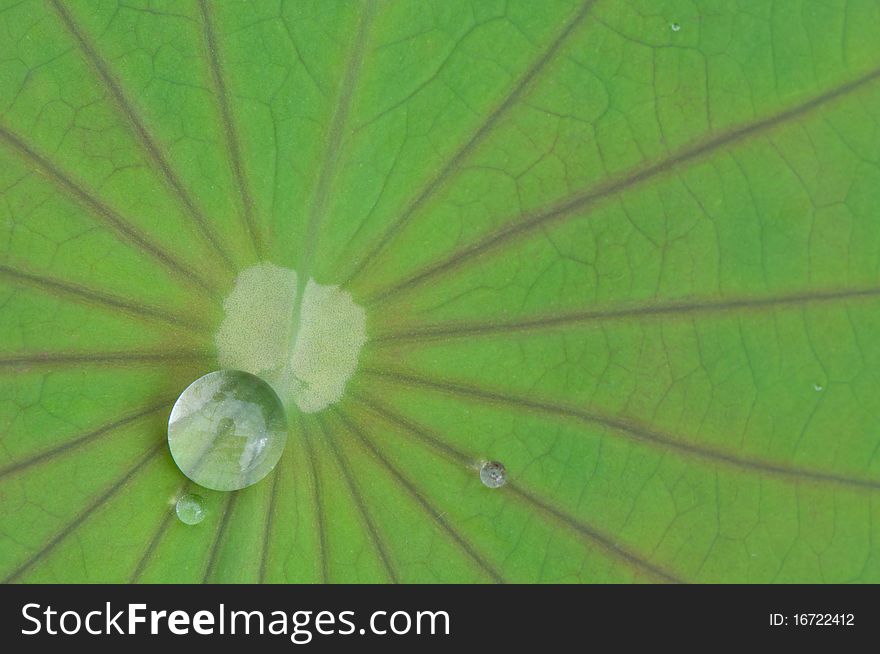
(626, 249)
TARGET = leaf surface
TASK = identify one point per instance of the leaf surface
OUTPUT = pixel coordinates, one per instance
(627, 248)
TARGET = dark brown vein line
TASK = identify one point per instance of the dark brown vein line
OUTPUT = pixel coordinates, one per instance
(417, 495)
(84, 439)
(151, 546)
(152, 148)
(605, 541)
(358, 497)
(590, 533)
(448, 451)
(673, 309)
(157, 536)
(332, 150)
(319, 503)
(485, 129)
(628, 429)
(213, 553)
(522, 225)
(106, 215)
(83, 515)
(67, 289)
(99, 358)
(232, 141)
(267, 528)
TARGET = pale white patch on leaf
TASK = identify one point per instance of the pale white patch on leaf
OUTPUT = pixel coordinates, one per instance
(255, 333)
(307, 364)
(331, 334)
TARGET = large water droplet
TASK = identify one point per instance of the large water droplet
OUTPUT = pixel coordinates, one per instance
(493, 474)
(189, 509)
(227, 430)
(675, 27)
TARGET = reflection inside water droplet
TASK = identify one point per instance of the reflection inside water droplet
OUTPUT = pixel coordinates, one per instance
(675, 27)
(190, 509)
(493, 474)
(227, 430)
(226, 427)
(818, 387)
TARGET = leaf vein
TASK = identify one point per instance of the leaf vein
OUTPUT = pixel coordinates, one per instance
(152, 148)
(624, 427)
(526, 224)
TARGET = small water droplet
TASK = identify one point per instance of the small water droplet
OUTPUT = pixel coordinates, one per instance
(675, 27)
(493, 474)
(818, 387)
(227, 430)
(190, 509)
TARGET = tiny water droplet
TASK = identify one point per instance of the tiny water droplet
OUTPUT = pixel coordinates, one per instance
(189, 509)
(675, 27)
(818, 387)
(493, 474)
(227, 430)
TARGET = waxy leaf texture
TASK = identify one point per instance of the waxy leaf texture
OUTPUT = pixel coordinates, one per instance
(629, 249)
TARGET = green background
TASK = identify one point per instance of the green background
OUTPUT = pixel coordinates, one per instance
(628, 248)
